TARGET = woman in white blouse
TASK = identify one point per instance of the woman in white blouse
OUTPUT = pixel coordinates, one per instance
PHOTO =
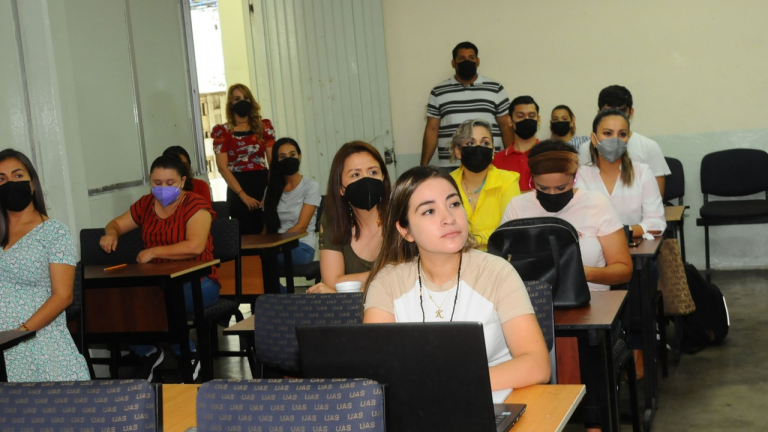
(604, 250)
(631, 187)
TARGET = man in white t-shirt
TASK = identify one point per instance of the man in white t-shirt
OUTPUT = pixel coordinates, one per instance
(639, 147)
(465, 96)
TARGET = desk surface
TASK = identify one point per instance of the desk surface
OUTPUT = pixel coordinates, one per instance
(179, 402)
(263, 241)
(600, 314)
(674, 213)
(170, 270)
(244, 327)
(647, 248)
(549, 406)
(9, 339)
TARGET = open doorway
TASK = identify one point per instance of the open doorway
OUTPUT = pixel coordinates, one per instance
(206, 17)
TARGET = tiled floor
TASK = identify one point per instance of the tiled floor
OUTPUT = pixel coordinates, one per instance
(721, 388)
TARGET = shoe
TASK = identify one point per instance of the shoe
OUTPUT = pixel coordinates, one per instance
(196, 372)
(150, 362)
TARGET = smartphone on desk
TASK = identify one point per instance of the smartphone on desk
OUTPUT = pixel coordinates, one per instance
(635, 241)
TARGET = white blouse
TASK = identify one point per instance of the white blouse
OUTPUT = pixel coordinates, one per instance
(589, 212)
(637, 204)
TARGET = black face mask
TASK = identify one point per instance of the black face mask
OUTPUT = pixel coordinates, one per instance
(242, 108)
(15, 196)
(289, 165)
(560, 128)
(526, 128)
(365, 193)
(553, 203)
(476, 158)
(466, 70)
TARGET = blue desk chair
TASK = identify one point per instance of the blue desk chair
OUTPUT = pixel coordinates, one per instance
(121, 405)
(545, 315)
(277, 315)
(291, 404)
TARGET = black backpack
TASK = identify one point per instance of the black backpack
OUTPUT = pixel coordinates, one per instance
(709, 323)
(545, 249)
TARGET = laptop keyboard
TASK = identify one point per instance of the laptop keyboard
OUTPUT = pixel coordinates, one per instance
(500, 418)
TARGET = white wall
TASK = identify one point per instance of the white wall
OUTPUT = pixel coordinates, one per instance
(697, 70)
(76, 65)
(13, 116)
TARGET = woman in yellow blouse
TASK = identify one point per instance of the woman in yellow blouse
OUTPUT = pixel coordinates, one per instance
(485, 190)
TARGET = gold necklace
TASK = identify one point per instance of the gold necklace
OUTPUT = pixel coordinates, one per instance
(469, 194)
(439, 313)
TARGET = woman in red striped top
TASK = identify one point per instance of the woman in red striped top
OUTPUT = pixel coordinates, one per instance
(175, 225)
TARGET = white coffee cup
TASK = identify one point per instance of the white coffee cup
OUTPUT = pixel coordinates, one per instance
(349, 287)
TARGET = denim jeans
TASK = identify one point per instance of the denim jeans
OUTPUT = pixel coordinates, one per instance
(210, 295)
(304, 254)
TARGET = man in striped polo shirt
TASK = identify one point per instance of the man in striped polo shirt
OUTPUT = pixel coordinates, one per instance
(465, 96)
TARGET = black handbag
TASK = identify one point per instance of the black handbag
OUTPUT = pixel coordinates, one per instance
(545, 249)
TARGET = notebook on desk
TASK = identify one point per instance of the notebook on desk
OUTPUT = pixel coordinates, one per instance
(435, 374)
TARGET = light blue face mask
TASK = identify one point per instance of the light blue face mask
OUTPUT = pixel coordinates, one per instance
(612, 149)
(166, 195)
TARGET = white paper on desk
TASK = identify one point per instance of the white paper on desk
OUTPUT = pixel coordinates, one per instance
(499, 396)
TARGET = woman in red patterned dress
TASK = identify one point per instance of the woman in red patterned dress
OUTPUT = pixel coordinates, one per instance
(242, 148)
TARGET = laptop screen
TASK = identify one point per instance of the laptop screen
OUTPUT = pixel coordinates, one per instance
(435, 374)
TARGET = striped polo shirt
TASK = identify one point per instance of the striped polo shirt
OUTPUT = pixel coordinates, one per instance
(453, 103)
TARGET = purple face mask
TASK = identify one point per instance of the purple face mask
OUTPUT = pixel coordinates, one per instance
(166, 194)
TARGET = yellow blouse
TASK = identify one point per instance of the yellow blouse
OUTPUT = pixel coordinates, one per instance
(500, 186)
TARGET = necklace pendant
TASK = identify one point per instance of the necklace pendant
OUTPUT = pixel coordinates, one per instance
(439, 314)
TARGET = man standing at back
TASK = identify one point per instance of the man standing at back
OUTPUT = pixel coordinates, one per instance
(524, 112)
(465, 96)
(640, 148)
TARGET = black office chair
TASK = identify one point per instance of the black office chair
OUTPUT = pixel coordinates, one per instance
(309, 271)
(675, 190)
(733, 173)
(674, 187)
(221, 208)
(545, 314)
(624, 360)
(226, 247)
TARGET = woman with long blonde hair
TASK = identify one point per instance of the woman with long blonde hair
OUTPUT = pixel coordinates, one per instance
(242, 147)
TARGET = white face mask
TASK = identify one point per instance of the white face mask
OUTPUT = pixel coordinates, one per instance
(612, 149)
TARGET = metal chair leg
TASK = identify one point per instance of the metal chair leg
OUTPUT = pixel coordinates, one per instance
(706, 251)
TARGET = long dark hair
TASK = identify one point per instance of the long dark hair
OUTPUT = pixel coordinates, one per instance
(627, 171)
(276, 186)
(394, 248)
(179, 151)
(37, 195)
(337, 211)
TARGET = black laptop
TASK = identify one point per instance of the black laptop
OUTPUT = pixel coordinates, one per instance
(435, 374)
